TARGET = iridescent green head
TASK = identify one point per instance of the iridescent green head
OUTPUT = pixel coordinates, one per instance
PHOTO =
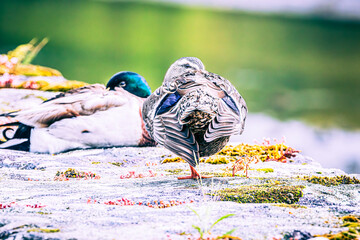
(131, 82)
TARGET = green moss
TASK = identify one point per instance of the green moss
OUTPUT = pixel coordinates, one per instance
(266, 193)
(175, 171)
(332, 181)
(266, 170)
(353, 232)
(73, 173)
(44, 230)
(43, 213)
(95, 162)
(296, 206)
(118, 164)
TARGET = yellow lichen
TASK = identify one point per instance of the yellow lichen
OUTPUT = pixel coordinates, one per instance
(44, 230)
(118, 164)
(175, 171)
(266, 170)
(296, 206)
(217, 159)
(277, 152)
(171, 160)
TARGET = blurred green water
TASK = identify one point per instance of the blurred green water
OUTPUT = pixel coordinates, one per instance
(289, 68)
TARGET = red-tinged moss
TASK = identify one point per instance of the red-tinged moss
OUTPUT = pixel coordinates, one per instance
(277, 152)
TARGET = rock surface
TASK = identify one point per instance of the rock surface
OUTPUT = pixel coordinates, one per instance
(38, 205)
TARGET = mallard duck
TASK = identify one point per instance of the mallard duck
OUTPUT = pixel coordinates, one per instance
(194, 112)
(93, 116)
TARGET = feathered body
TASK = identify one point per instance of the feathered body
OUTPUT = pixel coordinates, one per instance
(89, 117)
(194, 112)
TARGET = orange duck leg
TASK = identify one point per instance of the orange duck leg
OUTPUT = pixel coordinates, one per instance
(194, 175)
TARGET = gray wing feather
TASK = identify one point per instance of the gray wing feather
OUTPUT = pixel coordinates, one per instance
(176, 137)
(227, 122)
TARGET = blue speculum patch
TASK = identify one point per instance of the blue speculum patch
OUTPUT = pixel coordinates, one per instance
(230, 102)
(167, 103)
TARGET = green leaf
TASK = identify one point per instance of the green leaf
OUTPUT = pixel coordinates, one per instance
(195, 212)
(227, 233)
(220, 219)
(34, 51)
(199, 230)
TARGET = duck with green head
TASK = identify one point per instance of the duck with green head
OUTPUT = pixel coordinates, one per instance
(93, 116)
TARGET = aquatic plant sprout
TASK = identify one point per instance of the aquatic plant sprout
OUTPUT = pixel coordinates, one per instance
(203, 229)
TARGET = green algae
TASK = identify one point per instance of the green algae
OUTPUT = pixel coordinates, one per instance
(332, 181)
(266, 193)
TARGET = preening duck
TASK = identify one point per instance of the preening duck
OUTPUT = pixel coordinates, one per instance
(194, 112)
(93, 116)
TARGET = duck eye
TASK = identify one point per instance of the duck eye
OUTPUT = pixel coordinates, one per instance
(122, 84)
(187, 65)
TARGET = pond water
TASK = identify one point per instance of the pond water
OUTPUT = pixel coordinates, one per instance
(289, 68)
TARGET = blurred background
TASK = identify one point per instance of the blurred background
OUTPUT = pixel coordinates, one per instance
(296, 64)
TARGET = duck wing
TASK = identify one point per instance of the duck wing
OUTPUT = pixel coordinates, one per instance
(78, 102)
(232, 110)
(175, 137)
(166, 130)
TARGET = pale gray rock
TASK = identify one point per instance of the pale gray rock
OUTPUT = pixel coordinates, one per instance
(27, 180)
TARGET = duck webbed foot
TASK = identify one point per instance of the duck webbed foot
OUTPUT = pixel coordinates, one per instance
(194, 175)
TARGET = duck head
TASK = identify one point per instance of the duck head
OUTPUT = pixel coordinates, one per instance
(131, 82)
(182, 65)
